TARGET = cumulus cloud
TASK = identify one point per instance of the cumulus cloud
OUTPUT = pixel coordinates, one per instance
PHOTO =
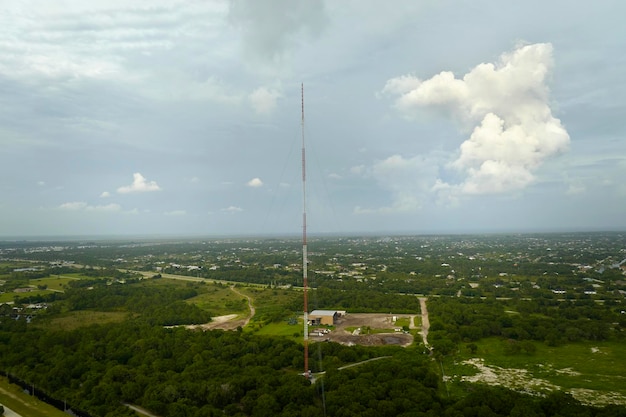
(255, 183)
(408, 180)
(105, 194)
(139, 185)
(505, 105)
(73, 205)
(263, 100)
(270, 27)
(80, 205)
(176, 213)
(232, 209)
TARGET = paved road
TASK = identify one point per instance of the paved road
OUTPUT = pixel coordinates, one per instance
(7, 411)
(10, 413)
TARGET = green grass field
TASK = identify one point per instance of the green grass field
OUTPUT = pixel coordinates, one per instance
(282, 329)
(13, 397)
(56, 282)
(51, 283)
(591, 371)
(76, 319)
(402, 321)
(220, 300)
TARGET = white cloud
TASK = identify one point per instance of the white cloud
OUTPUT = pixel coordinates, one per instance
(507, 104)
(73, 205)
(574, 189)
(263, 100)
(409, 180)
(41, 183)
(108, 207)
(80, 205)
(255, 183)
(271, 27)
(139, 185)
(176, 213)
(105, 194)
(232, 209)
(358, 170)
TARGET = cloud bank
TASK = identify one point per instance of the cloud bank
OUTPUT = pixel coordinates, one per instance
(263, 100)
(139, 185)
(506, 107)
(270, 27)
(81, 205)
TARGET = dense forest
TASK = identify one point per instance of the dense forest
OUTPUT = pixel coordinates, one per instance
(460, 319)
(177, 372)
(125, 345)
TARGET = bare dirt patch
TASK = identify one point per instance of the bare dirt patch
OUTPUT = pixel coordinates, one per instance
(227, 322)
(521, 380)
(344, 334)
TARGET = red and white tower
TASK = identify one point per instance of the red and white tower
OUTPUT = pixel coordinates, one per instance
(304, 249)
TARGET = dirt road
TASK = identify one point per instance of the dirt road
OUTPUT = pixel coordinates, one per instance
(229, 321)
(425, 321)
(250, 306)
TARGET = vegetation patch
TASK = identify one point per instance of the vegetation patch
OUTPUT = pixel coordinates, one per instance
(56, 282)
(76, 319)
(592, 372)
(14, 398)
(284, 329)
(219, 300)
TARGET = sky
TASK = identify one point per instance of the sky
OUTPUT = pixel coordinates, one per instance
(164, 117)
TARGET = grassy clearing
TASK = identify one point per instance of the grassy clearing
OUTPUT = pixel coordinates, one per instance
(220, 300)
(55, 282)
(282, 329)
(11, 296)
(273, 305)
(403, 321)
(7, 297)
(594, 372)
(14, 398)
(76, 319)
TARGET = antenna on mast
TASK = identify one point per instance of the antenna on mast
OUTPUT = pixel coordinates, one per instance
(304, 250)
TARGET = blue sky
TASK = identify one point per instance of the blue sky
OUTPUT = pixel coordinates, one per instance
(183, 117)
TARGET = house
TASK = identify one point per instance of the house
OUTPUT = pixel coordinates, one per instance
(324, 317)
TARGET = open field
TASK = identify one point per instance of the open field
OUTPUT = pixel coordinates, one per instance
(220, 300)
(51, 283)
(56, 282)
(282, 329)
(76, 319)
(593, 372)
(10, 296)
(14, 397)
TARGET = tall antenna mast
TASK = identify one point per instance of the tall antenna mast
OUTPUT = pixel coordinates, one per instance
(304, 249)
